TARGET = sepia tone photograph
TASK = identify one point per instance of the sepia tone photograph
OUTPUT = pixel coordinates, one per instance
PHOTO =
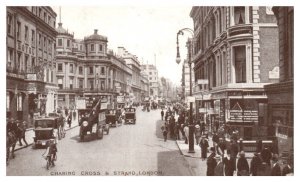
(149, 90)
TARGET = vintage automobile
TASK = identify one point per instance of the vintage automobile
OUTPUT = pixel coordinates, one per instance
(61, 127)
(94, 123)
(130, 117)
(111, 117)
(45, 128)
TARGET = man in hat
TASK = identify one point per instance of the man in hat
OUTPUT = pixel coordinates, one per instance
(211, 163)
(22, 131)
(255, 164)
(287, 169)
(242, 165)
(203, 145)
(275, 170)
(229, 164)
(219, 169)
(197, 134)
(266, 155)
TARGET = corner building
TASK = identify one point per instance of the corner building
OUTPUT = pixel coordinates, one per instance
(234, 50)
(31, 88)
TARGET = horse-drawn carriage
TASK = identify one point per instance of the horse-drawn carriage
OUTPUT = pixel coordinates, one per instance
(47, 128)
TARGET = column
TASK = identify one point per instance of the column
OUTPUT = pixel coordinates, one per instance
(25, 106)
(249, 64)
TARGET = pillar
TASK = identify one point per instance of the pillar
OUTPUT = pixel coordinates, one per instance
(25, 107)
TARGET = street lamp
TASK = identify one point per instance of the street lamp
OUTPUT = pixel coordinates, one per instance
(191, 124)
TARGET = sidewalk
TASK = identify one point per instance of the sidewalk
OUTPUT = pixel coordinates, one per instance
(30, 134)
(196, 165)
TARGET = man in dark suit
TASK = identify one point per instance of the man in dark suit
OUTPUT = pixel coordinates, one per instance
(211, 162)
(276, 170)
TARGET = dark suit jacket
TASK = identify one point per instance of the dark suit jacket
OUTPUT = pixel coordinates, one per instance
(276, 170)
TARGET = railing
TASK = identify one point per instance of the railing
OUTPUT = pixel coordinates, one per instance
(14, 72)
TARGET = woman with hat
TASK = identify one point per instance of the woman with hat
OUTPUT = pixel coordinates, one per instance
(197, 134)
(242, 165)
(203, 145)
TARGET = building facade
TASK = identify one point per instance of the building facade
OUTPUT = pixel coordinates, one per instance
(233, 50)
(86, 69)
(31, 88)
(281, 95)
(152, 73)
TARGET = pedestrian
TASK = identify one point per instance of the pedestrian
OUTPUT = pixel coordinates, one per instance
(197, 134)
(215, 139)
(264, 170)
(69, 120)
(229, 165)
(162, 114)
(255, 164)
(241, 145)
(242, 165)
(259, 146)
(275, 170)
(266, 155)
(22, 131)
(164, 129)
(176, 130)
(203, 145)
(186, 133)
(287, 169)
(219, 169)
(202, 127)
(233, 151)
(211, 163)
(222, 145)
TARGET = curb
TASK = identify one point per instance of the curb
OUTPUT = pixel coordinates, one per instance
(22, 147)
(186, 155)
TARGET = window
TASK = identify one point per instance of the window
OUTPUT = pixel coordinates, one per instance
(26, 33)
(91, 70)
(59, 67)
(239, 15)
(71, 68)
(9, 24)
(45, 42)
(240, 64)
(59, 43)
(7, 101)
(92, 47)
(68, 43)
(102, 71)
(19, 102)
(49, 19)
(92, 84)
(40, 12)
(49, 46)
(26, 63)
(60, 83)
(80, 47)
(150, 78)
(71, 83)
(40, 40)
(80, 70)
(33, 37)
(100, 47)
(45, 16)
(51, 73)
(102, 85)
(10, 56)
(80, 83)
(32, 62)
(150, 73)
(18, 66)
(18, 30)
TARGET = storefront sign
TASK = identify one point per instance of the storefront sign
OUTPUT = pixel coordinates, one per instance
(120, 99)
(80, 103)
(247, 115)
(202, 81)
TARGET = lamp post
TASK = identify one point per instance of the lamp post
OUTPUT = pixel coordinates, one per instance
(191, 124)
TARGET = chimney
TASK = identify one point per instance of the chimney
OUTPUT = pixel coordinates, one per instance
(95, 31)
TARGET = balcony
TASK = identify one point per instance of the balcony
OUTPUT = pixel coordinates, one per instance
(14, 72)
(241, 29)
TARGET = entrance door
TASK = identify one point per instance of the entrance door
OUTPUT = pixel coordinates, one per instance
(248, 133)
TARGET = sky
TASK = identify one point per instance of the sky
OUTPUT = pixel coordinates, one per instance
(149, 32)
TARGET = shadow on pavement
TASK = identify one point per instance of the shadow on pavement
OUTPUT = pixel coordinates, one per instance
(171, 163)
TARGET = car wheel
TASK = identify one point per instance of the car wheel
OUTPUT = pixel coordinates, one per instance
(99, 133)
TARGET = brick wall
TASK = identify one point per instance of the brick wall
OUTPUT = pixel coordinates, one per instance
(264, 17)
(269, 57)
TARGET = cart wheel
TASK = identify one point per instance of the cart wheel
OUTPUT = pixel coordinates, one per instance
(99, 133)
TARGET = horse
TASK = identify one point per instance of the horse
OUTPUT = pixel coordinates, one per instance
(11, 141)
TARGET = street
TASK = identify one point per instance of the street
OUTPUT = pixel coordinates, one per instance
(127, 150)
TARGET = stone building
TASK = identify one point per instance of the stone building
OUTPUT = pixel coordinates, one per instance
(233, 50)
(281, 95)
(151, 71)
(86, 69)
(30, 62)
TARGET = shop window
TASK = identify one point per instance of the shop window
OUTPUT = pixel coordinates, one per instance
(239, 15)
(240, 64)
